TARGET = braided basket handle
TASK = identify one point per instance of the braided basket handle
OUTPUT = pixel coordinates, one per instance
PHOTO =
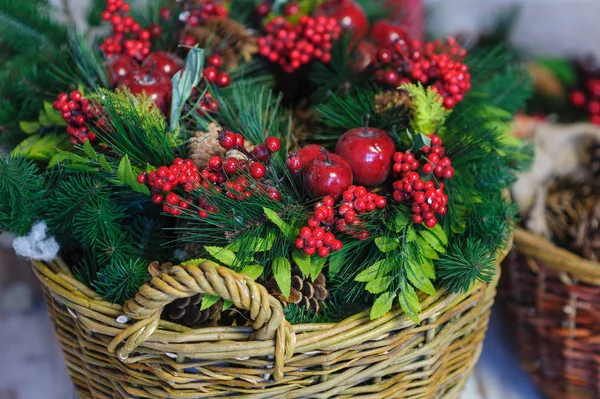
(185, 281)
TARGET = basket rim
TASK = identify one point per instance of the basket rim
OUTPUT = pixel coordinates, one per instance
(555, 257)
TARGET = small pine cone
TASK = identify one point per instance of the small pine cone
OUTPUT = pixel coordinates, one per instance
(303, 292)
(186, 311)
(391, 99)
(230, 38)
(206, 144)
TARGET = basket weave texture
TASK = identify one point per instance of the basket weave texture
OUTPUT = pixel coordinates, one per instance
(552, 298)
(140, 356)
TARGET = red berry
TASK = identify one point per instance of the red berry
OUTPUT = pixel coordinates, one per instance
(165, 14)
(305, 232)
(257, 170)
(215, 61)
(418, 219)
(215, 162)
(448, 172)
(263, 9)
(273, 193)
(336, 245)
(430, 223)
(260, 152)
(142, 178)
(172, 198)
(223, 80)
(299, 243)
(273, 144)
(577, 98)
(428, 168)
(323, 252)
(239, 140)
(227, 140)
(328, 201)
(309, 250)
(230, 166)
(210, 74)
(157, 198)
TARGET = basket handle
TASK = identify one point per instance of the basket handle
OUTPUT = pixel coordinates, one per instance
(185, 281)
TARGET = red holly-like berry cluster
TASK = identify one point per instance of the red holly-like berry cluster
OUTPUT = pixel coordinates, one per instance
(207, 9)
(78, 112)
(588, 99)
(227, 176)
(181, 173)
(128, 35)
(318, 238)
(292, 46)
(436, 64)
(212, 75)
(427, 199)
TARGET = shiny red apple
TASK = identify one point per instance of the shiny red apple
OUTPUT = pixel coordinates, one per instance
(385, 33)
(166, 62)
(327, 174)
(299, 159)
(156, 84)
(369, 153)
(350, 15)
(119, 66)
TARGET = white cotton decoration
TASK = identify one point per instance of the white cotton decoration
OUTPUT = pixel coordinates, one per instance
(37, 245)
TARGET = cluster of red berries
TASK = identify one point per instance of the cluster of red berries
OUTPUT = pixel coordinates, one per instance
(426, 198)
(208, 9)
(292, 46)
(78, 112)
(180, 174)
(212, 75)
(588, 98)
(317, 236)
(436, 64)
(128, 36)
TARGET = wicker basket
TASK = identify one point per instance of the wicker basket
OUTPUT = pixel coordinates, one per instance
(552, 298)
(110, 355)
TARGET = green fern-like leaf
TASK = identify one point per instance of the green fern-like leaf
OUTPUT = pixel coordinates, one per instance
(428, 112)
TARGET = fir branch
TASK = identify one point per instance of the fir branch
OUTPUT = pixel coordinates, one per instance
(428, 113)
(465, 264)
(136, 128)
(98, 219)
(22, 189)
(121, 280)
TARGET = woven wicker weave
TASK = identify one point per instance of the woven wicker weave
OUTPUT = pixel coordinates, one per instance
(140, 356)
(552, 298)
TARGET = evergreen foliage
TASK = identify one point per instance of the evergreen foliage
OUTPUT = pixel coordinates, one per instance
(121, 279)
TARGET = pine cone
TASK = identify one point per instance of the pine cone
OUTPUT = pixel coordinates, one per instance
(593, 160)
(186, 311)
(230, 38)
(303, 292)
(206, 144)
(391, 99)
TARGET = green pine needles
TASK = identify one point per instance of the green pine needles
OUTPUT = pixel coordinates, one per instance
(121, 279)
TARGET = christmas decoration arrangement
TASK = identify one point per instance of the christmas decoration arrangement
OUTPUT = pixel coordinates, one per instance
(182, 135)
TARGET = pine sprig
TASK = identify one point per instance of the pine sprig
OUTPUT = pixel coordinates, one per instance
(465, 264)
(97, 219)
(121, 280)
(22, 189)
(137, 128)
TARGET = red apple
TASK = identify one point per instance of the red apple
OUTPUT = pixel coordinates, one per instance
(350, 15)
(299, 159)
(385, 34)
(156, 84)
(369, 153)
(327, 174)
(166, 62)
(119, 66)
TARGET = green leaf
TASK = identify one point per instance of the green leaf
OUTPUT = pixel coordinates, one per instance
(227, 304)
(409, 302)
(279, 222)
(41, 147)
(440, 233)
(29, 127)
(183, 82)
(282, 271)
(105, 165)
(336, 261)
(372, 271)
(125, 174)
(196, 261)
(303, 261)
(52, 115)
(387, 244)
(421, 141)
(382, 305)
(418, 279)
(426, 250)
(223, 255)
(400, 221)
(208, 300)
(411, 234)
(427, 267)
(378, 285)
(252, 271)
(433, 240)
(317, 264)
(89, 151)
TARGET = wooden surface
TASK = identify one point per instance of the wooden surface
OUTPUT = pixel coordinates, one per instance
(31, 365)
